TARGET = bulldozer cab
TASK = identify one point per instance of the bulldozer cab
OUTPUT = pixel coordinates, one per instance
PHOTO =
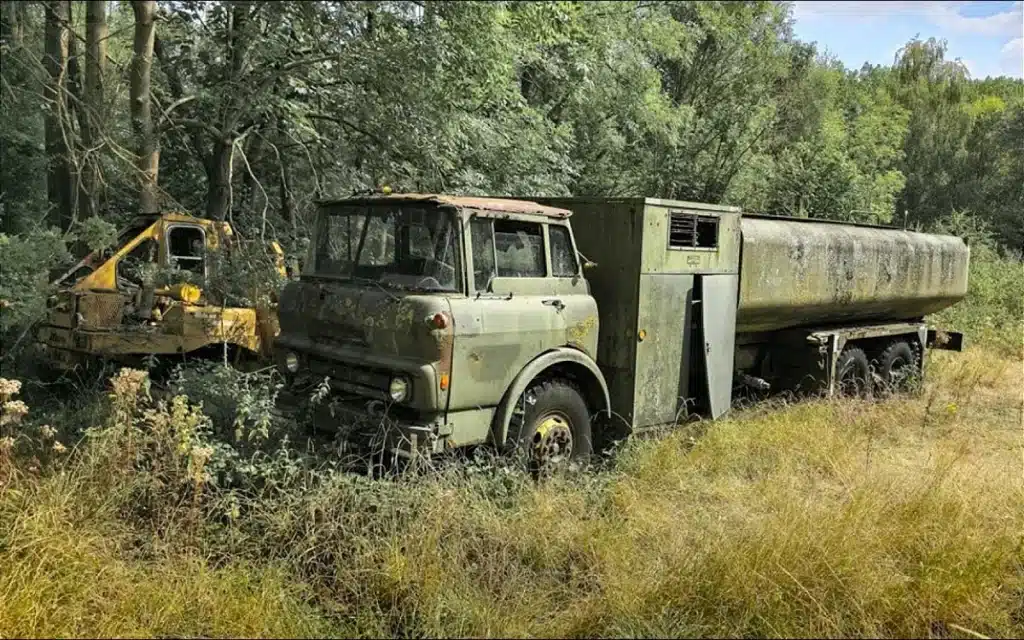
(151, 293)
(163, 251)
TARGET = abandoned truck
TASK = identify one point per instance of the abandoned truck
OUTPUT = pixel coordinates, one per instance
(431, 322)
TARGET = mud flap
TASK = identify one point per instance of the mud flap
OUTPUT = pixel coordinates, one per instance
(719, 293)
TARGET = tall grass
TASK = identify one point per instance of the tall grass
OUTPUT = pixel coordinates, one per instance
(72, 569)
(832, 518)
(894, 518)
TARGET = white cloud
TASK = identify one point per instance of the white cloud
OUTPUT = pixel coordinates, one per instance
(1011, 58)
(946, 15)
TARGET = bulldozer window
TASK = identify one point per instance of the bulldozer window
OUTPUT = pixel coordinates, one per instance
(186, 249)
(131, 268)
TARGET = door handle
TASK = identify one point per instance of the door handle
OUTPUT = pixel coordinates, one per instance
(556, 303)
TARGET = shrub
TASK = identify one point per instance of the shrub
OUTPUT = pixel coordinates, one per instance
(20, 439)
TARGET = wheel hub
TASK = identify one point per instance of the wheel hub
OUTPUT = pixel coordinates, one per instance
(552, 443)
(899, 370)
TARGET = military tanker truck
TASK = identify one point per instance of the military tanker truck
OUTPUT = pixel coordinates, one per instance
(432, 322)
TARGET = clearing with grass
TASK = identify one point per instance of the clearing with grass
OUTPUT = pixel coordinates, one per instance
(895, 518)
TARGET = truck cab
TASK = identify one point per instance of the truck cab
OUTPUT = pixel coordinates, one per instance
(436, 322)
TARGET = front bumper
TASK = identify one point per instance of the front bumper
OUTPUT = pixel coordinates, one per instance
(368, 426)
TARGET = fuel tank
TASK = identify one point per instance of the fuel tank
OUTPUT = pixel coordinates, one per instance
(796, 273)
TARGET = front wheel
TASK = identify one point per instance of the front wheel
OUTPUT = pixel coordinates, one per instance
(551, 427)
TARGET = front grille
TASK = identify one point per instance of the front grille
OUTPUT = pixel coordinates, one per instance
(371, 381)
(100, 310)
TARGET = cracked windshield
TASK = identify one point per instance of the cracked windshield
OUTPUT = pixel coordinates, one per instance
(399, 247)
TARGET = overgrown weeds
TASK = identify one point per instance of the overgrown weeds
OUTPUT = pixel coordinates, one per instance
(899, 517)
(201, 511)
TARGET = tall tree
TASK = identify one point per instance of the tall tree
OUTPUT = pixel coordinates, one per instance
(12, 24)
(59, 186)
(147, 147)
(933, 90)
(96, 34)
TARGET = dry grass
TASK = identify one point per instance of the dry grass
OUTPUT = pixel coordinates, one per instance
(70, 571)
(897, 518)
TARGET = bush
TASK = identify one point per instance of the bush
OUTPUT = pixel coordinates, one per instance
(993, 312)
(28, 262)
(25, 264)
(20, 438)
(254, 446)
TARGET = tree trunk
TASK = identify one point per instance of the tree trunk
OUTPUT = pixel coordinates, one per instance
(55, 59)
(76, 113)
(254, 154)
(220, 162)
(148, 153)
(12, 24)
(92, 132)
(218, 176)
(287, 198)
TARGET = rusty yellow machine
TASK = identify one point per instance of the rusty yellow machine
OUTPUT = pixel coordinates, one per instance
(151, 295)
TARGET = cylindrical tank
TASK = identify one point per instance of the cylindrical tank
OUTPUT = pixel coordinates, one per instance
(798, 273)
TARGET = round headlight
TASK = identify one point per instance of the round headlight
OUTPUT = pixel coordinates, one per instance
(291, 362)
(398, 389)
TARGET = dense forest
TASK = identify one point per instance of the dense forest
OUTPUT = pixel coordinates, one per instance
(250, 111)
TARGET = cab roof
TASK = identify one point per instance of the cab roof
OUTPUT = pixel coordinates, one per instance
(489, 204)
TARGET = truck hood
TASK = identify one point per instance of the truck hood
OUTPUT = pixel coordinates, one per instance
(365, 318)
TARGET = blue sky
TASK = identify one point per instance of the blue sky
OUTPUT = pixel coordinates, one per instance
(985, 35)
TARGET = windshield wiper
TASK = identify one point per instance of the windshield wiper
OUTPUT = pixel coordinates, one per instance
(363, 280)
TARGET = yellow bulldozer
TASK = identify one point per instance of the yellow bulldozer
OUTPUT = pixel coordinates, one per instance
(155, 293)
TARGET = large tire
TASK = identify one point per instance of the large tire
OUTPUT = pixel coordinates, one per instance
(853, 373)
(550, 419)
(897, 365)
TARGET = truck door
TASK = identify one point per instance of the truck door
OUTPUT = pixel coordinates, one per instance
(718, 324)
(513, 312)
(572, 295)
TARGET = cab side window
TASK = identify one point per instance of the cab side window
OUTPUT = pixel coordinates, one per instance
(186, 249)
(563, 258)
(482, 238)
(506, 249)
(520, 249)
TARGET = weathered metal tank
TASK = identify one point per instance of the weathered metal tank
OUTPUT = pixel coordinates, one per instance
(801, 273)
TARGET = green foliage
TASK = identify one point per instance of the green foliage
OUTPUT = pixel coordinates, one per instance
(25, 263)
(97, 234)
(249, 442)
(244, 275)
(993, 312)
(264, 107)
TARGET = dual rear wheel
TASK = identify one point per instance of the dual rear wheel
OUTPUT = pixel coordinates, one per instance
(896, 365)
